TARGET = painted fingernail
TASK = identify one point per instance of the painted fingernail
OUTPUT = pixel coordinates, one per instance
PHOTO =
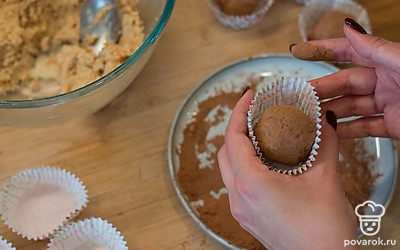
(244, 92)
(291, 46)
(331, 119)
(354, 25)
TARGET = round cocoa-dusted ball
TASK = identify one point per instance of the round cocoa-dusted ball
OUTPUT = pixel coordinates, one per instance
(329, 26)
(285, 134)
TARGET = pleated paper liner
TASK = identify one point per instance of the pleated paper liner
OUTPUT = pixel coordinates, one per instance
(37, 201)
(240, 21)
(4, 245)
(89, 234)
(286, 91)
(313, 11)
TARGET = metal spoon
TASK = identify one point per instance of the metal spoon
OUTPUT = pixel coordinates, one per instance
(100, 22)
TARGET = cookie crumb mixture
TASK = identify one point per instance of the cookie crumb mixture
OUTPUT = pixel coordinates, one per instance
(40, 46)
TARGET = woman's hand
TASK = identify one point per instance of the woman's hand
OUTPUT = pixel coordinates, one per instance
(308, 211)
(371, 91)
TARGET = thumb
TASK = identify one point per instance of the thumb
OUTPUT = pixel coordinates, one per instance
(328, 152)
(377, 49)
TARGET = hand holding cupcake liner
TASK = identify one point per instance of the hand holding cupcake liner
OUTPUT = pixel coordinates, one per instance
(294, 92)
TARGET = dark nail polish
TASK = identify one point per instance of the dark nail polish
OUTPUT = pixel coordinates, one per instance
(291, 46)
(331, 119)
(354, 25)
(244, 92)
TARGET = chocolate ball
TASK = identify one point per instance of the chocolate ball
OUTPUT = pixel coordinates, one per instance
(329, 26)
(238, 7)
(285, 134)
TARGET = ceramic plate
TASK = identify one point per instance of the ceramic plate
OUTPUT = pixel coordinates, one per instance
(233, 78)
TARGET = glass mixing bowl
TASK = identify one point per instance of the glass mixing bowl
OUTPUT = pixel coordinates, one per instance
(92, 97)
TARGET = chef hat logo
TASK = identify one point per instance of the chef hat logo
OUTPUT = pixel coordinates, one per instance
(377, 209)
(370, 224)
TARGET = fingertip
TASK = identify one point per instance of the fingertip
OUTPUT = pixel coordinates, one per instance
(313, 51)
(378, 50)
(248, 91)
(244, 101)
(352, 24)
(244, 92)
(355, 33)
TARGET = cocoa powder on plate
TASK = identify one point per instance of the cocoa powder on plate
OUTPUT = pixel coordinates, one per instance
(355, 171)
(197, 183)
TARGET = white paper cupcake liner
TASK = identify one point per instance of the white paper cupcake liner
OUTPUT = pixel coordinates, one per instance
(4, 245)
(313, 11)
(93, 233)
(240, 22)
(286, 91)
(37, 201)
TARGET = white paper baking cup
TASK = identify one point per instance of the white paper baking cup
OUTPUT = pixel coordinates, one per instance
(4, 245)
(286, 91)
(37, 201)
(240, 22)
(313, 11)
(89, 234)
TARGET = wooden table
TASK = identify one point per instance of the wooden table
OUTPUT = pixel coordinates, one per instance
(120, 153)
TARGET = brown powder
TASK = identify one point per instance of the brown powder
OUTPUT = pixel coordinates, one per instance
(355, 171)
(310, 52)
(197, 183)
